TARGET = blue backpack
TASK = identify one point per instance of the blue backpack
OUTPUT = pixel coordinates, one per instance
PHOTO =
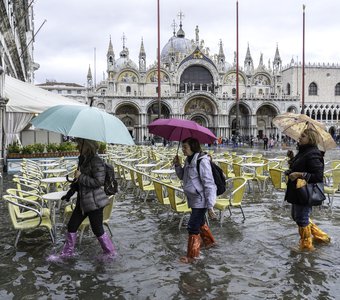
(219, 177)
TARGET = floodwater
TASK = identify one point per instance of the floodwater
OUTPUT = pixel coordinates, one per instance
(254, 259)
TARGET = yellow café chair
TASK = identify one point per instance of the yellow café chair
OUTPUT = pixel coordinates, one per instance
(331, 188)
(178, 202)
(26, 215)
(232, 197)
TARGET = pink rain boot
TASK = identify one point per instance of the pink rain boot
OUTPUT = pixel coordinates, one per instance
(68, 249)
(107, 246)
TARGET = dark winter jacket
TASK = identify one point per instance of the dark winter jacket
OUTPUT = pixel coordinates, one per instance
(91, 194)
(310, 161)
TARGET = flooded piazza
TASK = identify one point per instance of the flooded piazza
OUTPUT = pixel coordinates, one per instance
(254, 259)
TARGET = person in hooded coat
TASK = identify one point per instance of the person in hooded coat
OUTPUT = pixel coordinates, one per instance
(200, 190)
(91, 199)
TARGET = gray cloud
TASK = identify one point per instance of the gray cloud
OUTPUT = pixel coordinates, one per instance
(64, 47)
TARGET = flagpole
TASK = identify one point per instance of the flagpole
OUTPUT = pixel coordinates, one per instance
(237, 81)
(158, 61)
(303, 62)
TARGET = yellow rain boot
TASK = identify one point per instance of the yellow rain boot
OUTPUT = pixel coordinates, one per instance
(318, 235)
(306, 241)
(194, 245)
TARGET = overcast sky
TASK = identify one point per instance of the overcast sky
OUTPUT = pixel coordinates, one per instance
(64, 47)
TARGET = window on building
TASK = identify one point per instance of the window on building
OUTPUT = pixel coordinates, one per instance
(102, 92)
(233, 91)
(59, 91)
(69, 92)
(313, 89)
(288, 88)
(78, 92)
(260, 92)
(128, 90)
(337, 89)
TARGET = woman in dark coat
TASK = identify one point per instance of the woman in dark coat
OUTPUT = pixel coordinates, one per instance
(91, 199)
(308, 164)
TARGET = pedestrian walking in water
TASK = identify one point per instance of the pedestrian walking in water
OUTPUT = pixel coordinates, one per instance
(200, 189)
(91, 200)
(308, 164)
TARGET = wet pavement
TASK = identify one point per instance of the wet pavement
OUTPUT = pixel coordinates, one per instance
(254, 259)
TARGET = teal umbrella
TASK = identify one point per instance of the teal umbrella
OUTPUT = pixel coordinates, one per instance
(84, 122)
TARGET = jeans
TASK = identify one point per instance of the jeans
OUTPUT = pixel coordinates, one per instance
(300, 214)
(197, 219)
(96, 220)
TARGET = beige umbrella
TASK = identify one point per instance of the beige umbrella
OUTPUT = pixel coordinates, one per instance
(293, 125)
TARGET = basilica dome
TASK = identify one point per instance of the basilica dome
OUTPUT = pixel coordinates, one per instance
(124, 61)
(177, 46)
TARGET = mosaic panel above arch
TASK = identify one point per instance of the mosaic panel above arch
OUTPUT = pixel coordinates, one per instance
(199, 104)
(261, 79)
(128, 77)
(152, 77)
(231, 79)
(127, 109)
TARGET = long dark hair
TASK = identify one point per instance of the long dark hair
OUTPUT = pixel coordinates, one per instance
(194, 144)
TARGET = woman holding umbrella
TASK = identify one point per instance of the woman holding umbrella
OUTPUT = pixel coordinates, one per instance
(308, 164)
(200, 189)
(91, 199)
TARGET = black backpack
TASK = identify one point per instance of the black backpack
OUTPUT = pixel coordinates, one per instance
(110, 184)
(218, 175)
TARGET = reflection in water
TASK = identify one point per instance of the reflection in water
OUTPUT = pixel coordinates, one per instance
(253, 259)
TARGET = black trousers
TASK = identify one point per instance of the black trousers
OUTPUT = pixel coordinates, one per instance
(96, 220)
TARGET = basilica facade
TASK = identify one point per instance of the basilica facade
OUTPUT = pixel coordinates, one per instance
(200, 86)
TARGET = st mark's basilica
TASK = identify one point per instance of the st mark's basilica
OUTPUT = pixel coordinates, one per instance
(201, 86)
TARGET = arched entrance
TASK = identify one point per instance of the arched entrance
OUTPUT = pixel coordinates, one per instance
(128, 114)
(153, 112)
(200, 120)
(264, 117)
(243, 120)
(198, 107)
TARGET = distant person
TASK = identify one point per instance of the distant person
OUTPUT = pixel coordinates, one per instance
(308, 164)
(265, 143)
(200, 190)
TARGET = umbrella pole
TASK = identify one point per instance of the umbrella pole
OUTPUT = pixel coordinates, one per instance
(179, 142)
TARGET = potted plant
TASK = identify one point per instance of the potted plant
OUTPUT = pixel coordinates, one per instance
(13, 150)
(39, 149)
(52, 147)
(27, 150)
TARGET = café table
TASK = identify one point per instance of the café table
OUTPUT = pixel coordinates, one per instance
(52, 198)
(53, 181)
(164, 173)
(54, 172)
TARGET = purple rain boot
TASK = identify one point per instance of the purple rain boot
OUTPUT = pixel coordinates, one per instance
(107, 246)
(68, 249)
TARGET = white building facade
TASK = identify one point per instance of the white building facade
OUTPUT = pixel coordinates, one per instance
(201, 87)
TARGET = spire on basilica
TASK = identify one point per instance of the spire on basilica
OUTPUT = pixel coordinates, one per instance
(277, 63)
(125, 51)
(197, 31)
(89, 78)
(180, 32)
(248, 62)
(221, 58)
(261, 65)
(110, 51)
(142, 58)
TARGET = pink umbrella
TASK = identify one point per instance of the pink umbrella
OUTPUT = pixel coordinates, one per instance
(179, 130)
